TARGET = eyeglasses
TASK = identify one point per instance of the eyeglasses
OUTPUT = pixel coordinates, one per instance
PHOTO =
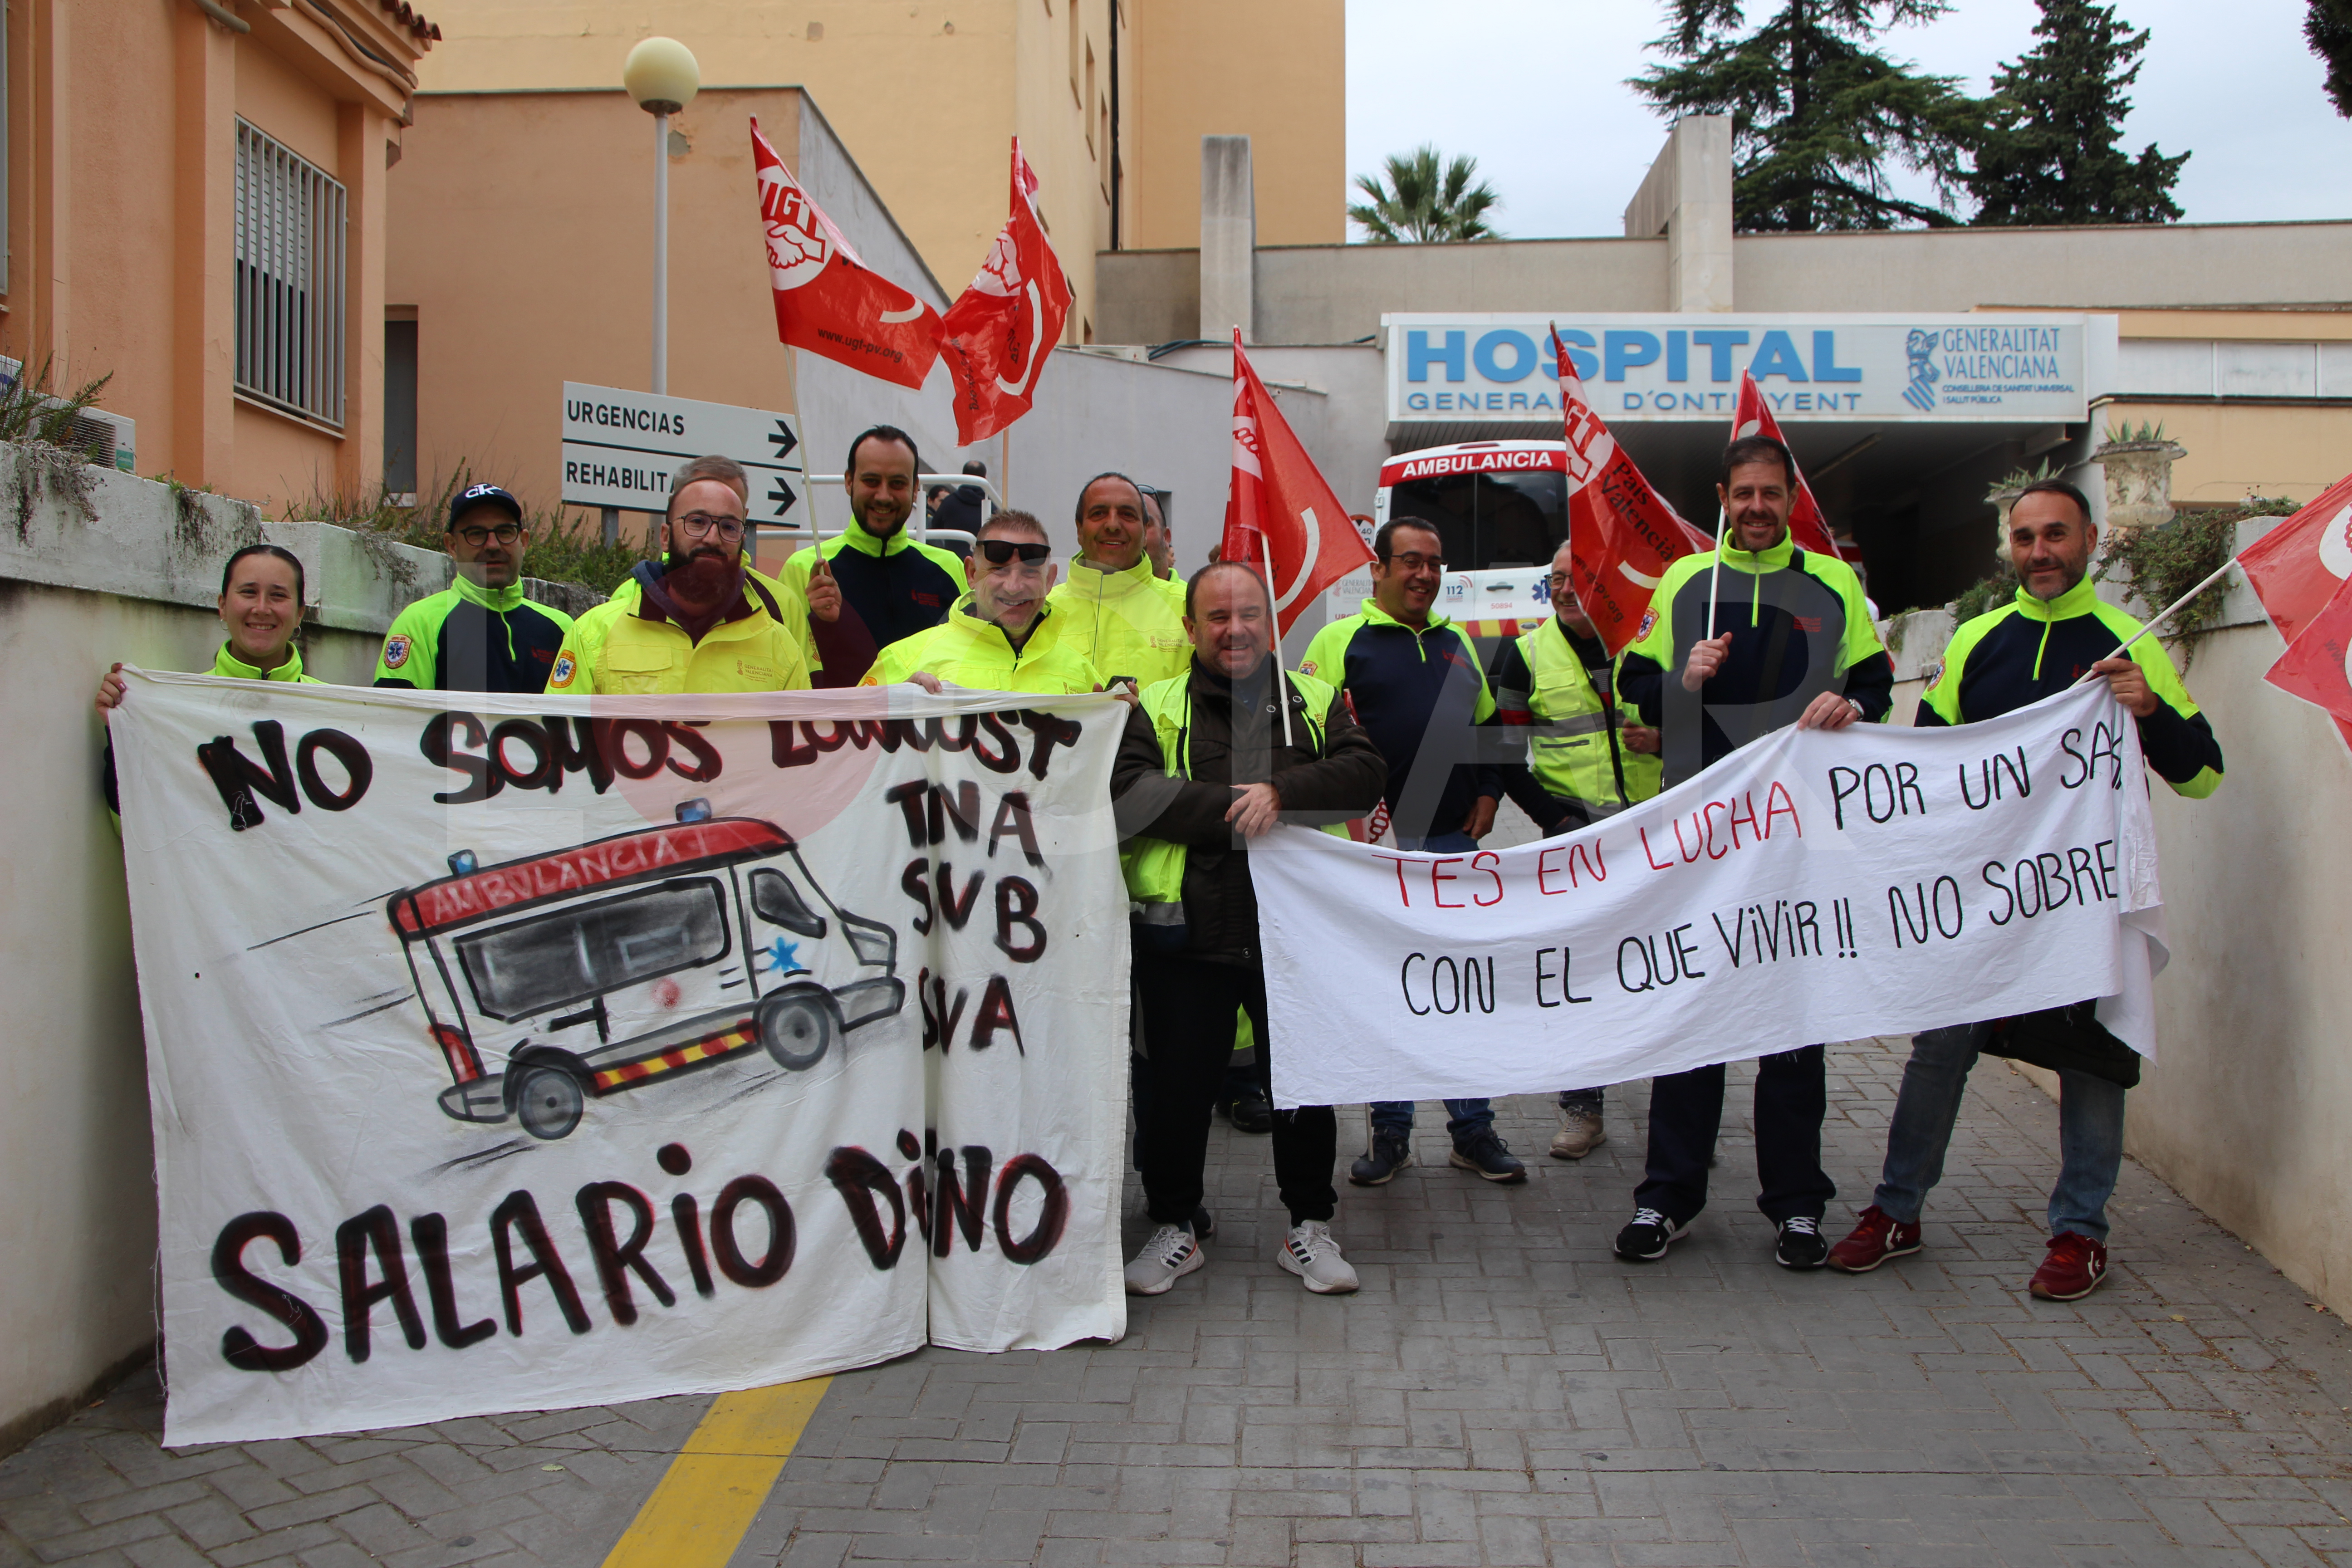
(695, 524)
(505, 533)
(999, 551)
(1418, 563)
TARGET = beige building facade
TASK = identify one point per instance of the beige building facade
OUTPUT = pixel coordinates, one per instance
(1108, 97)
(196, 201)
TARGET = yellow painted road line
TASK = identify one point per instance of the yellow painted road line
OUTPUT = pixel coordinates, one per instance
(714, 1489)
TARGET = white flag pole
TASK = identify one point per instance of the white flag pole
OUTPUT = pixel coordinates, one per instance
(1715, 574)
(2168, 612)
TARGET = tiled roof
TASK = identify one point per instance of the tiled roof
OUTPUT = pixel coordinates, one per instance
(411, 18)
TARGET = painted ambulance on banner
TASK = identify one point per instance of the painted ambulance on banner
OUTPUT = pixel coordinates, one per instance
(565, 977)
(1496, 369)
(1500, 507)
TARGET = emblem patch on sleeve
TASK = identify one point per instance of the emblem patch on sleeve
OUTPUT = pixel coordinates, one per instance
(1649, 619)
(395, 652)
(563, 672)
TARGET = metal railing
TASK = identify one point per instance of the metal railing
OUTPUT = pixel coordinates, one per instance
(289, 234)
(923, 530)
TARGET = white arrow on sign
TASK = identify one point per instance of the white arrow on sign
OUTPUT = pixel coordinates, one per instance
(621, 447)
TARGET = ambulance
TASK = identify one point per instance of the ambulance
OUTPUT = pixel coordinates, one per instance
(1501, 509)
(561, 978)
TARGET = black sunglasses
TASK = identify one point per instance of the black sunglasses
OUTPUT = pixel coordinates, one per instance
(997, 552)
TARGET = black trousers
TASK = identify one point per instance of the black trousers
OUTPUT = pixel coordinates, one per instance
(1187, 1031)
(1687, 1111)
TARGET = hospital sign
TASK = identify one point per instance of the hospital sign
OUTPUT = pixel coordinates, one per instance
(2010, 367)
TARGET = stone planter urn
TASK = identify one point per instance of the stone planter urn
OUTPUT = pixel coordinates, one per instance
(2003, 497)
(2139, 481)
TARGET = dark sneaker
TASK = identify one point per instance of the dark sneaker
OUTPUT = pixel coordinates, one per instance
(1647, 1235)
(2073, 1270)
(1249, 1112)
(1486, 1154)
(1878, 1236)
(1204, 1224)
(1801, 1245)
(1391, 1152)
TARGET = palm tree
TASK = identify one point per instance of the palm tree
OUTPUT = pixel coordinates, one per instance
(1422, 202)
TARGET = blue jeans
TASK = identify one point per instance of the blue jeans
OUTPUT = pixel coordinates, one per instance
(2090, 1133)
(1464, 1118)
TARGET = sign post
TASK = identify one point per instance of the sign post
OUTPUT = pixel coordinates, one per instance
(620, 448)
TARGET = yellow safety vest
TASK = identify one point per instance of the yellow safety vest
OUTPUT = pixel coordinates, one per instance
(1154, 867)
(1126, 623)
(1570, 757)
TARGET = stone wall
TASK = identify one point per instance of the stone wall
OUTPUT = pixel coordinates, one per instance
(97, 566)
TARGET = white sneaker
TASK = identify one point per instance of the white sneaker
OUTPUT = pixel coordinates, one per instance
(1314, 1256)
(1168, 1257)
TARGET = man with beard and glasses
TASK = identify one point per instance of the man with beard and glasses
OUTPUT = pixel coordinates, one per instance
(1783, 637)
(1001, 637)
(697, 620)
(893, 583)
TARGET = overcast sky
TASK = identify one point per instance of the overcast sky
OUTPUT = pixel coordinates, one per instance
(1535, 90)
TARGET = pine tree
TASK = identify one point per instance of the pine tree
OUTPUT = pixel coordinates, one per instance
(1816, 112)
(2048, 154)
(1425, 199)
(2328, 28)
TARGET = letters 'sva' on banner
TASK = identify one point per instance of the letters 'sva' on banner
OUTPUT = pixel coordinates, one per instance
(556, 1052)
(1812, 887)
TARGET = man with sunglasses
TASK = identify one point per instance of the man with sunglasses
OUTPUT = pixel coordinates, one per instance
(698, 619)
(1001, 637)
(480, 634)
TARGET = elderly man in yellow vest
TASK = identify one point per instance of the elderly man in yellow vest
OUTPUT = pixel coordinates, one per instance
(1126, 621)
(1586, 759)
(698, 621)
(1003, 636)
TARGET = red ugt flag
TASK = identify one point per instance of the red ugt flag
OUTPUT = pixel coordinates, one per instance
(1807, 526)
(1279, 510)
(1623, 532)
(826, 300)
(998, 336)
(2297, 566)
(2314, 667)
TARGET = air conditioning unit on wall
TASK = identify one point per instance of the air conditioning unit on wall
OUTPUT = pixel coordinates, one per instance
(109, 439)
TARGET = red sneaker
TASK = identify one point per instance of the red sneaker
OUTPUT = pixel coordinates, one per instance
(2073, 1270)
(1878, 1237)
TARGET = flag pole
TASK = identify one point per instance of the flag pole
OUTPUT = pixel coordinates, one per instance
(2168, 612)
(1715, 573)
(1266, 573)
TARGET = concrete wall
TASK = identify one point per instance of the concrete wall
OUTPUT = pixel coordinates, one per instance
(1274, 73)
(2245, 1107)
(133, 577)
(1335, 294)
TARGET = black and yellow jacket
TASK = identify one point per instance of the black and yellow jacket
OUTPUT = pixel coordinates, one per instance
(1800, 627)
(2030, 649)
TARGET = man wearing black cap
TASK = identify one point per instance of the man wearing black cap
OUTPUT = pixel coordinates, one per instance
(480, 634)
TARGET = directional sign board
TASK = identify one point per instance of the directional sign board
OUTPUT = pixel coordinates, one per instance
(620, 448)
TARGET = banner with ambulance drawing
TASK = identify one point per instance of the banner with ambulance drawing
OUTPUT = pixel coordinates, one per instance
(548, 1052)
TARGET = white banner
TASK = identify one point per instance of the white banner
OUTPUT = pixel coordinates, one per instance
(1812, 887)
(566, 1051)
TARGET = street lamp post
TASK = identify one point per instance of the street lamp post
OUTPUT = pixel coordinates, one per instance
(661, 75)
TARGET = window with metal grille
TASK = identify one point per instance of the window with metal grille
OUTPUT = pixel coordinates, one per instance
(289, 280)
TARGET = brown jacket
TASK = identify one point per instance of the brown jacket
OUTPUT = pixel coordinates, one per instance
(1343, 780)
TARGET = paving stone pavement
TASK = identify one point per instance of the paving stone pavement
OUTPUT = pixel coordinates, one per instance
(1501, 1391)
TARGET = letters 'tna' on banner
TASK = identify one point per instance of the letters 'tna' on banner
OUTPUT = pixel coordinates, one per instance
(1623, 532)
(2314, 666)
(1809, 528)
(2297, 566)
(827, 301)
(1280, 514)
(998, 336)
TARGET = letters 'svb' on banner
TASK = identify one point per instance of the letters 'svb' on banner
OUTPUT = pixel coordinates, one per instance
(554, 1052)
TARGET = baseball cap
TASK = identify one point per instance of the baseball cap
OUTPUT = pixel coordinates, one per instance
(473, 496)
